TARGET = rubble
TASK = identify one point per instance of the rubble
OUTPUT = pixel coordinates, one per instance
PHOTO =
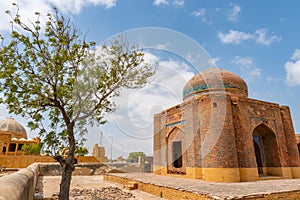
(105, 193)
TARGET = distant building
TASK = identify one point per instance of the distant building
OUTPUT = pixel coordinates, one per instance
(148, 164)
(99, 153)
(219, 134)
(13, 136)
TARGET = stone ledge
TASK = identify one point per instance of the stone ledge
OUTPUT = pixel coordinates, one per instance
(20, 185)
(54, 169)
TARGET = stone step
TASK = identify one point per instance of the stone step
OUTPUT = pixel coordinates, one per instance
(131, 185)
(271, 177)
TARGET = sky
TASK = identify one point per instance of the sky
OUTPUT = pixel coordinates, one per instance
(257, 40)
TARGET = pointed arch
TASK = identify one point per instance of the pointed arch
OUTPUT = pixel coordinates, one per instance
(266, 150)
(263, 125)
(173, 130)
(176, 153)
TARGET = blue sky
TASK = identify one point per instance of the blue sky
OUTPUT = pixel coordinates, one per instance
(258, 40)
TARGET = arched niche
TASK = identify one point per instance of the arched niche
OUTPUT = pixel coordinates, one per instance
(266, 151)
(176, 152)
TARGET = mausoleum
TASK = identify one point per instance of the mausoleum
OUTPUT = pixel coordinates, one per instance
(219, 134)
(13, 136)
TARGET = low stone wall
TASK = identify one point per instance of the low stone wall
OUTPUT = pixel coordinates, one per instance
(26, 160)
(20, 185)
(169, 191)
(84, 169)
(158, 190)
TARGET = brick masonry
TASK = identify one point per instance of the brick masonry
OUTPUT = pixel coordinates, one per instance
(218, 126)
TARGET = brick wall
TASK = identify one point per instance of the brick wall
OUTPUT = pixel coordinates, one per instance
(217, 129)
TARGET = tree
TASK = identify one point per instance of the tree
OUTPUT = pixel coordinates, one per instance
(32, 149)
(53, 75)
(81, 151)
(134, 156)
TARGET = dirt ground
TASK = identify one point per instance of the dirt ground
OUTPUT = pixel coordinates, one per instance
(48, 186)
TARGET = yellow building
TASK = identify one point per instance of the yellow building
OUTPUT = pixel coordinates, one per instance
(99, 153)
(13, 136)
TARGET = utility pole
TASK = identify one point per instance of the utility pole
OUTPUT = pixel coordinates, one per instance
(122, 152)
(101, 138)
(111, 148)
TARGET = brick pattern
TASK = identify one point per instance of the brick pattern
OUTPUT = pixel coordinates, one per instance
(291, 143)
(217, 131)
(176, 135)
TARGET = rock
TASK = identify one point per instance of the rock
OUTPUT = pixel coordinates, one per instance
(106, 193)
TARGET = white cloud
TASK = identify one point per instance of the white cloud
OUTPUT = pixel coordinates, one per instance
(132, 123)
(28, 7)
(214, 61)
(75, 6)
(292, 73)
(26, 11)
(296, 55)
(150, 58)
(178, 3)
(292, 69)
(234, 12)
(3, 111)
(237, 60)
(262, 37)
(201, 13)
(251, 73)
(162, 46)
(160, 2)
(246, 64)
(234, 37)
(165, 90)
(271, 79)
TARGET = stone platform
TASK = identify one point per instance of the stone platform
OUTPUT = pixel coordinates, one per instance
(171, 187)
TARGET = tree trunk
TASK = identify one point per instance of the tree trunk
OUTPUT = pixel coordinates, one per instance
(68, 166)
(66, 177)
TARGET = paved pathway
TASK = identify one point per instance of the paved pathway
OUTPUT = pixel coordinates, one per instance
(222, 190)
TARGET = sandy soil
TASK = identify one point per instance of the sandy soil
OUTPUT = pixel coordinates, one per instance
(49, 185)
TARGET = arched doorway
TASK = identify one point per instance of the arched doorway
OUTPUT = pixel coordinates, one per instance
(176, 155)
(258, 156)
(266, 151)
(4, 149)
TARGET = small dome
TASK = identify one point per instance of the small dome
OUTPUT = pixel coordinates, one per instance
(215, 80)
(14, 127)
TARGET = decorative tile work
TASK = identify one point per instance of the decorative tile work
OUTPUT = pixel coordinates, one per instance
(218, 128)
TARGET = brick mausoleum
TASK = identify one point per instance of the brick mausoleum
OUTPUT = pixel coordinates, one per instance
(219, 134)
